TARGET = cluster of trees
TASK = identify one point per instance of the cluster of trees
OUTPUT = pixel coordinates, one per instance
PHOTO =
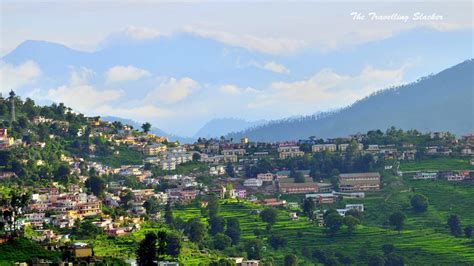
(454, 223)
(334, 222)
(157, 247)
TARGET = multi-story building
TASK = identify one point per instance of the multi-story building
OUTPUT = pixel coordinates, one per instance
(324, 147)
(359, 181)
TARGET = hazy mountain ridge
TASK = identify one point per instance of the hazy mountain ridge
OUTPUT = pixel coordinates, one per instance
(441, 102)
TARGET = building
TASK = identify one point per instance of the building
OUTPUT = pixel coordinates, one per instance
(324, 147)
(289, 152)
(253, 182)
(359, 181)
(266, 177)
(323, 198)
(425, 175)
(81, 250)
(237, 152)
(343, 147)
(154, 149)
(244, 140)
(5, 141)
(298, 188)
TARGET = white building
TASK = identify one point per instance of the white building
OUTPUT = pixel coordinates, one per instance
(253, 182)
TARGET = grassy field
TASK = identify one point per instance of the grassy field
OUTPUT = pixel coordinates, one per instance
(443, 163)
(424, 240)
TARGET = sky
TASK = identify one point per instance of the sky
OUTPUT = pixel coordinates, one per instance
(212, 59)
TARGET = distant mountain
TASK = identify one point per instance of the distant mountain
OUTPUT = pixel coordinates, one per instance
(223, 126)
(441, 102)
(154, 130)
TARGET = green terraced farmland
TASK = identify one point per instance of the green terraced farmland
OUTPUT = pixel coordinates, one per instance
(437, 164)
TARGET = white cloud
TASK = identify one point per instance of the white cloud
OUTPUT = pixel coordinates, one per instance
(81, 76)
(125, 73)
(141, 112)
(275, 67)
(140, 33)
(15, 76)
(329, 89)
(268, 45)
(234, 90)
(173, 90)
(83, 98)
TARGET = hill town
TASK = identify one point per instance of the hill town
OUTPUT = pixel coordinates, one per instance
(77, 189)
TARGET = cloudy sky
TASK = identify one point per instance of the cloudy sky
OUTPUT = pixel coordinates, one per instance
(193, 61)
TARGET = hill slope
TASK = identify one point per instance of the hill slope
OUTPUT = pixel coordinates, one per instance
(441, 102)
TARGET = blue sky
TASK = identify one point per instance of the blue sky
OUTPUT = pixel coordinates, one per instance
(179, 65)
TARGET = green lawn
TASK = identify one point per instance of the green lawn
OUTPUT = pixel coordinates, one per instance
(444, 163)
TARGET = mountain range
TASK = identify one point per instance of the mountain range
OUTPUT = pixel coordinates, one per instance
(441, 102)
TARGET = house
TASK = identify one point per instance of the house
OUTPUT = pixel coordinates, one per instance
(324, 147)
(239, 193)
(323, 198)
(286, 173)
(358, 207)
(289, 152)
(456, 175)
(81, 250)
(297, 188)
(266, 177)
(359, 181)
(425, 175)
(253, 182)
(237, 152)
(343, 147)
(5, 141)
(273, 202)
(168, 263)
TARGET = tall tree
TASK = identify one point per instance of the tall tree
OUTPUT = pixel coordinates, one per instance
(308, 207)
(333, 222)
(173, 244)
(212, 205)
(269, 215)
(146, 127)
(351, 222)
(233, 230)
(397, 220)
(146, 253)
(229, 169)
(169, 220)
(454, 224)
(216, 225)
(253, 247)
(419, 203)
(290, 260)
(468, 231)
(195, 230)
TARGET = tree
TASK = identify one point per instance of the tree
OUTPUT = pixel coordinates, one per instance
(152, 205)
(298, 176)
(146, 253)
(308, 207)
(277, 241)
(229, 169)
(351, 222)
(169, 215)
(195, 230)
(376, 260)
(419, 203)
(333, 222)
(222, 241)
(146, 127)
(394, 260)
(253, 247)
(233, 230)
(95, 184)
(388, 248)
(212, 205)
(196, 157)
(173, 244)
(468, 231)
(355, 213)
(397, 219)
(161, 239)
(454, 224)
(290, 260)
(216, 225)
(269, 215)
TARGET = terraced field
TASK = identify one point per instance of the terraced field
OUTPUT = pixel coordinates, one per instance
(425, 238)
(445, 163)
